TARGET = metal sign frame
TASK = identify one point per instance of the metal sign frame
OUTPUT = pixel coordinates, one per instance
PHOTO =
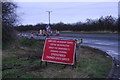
(75, 57)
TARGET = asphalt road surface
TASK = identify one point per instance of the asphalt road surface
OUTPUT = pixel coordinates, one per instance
(104, 42)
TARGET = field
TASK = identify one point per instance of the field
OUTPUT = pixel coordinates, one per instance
(23, 60)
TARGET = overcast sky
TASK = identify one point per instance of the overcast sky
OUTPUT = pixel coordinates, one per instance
(67, 12)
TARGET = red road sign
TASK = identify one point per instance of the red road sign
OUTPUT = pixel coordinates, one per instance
(60, 51)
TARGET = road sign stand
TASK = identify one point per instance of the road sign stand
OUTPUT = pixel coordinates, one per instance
(75, 62)
(46, 63)
(75, 56)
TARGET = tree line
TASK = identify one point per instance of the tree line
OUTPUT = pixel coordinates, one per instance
(107, 23)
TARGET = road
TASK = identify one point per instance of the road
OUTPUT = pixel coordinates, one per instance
(104, 42)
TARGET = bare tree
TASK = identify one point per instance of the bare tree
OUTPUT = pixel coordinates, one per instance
(9, 19)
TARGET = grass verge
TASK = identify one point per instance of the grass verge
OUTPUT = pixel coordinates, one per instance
(22, 60)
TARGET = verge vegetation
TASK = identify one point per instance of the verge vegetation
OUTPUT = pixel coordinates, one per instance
(22, 60)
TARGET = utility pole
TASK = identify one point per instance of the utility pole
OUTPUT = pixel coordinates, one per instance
(49, 16)
(118, 14)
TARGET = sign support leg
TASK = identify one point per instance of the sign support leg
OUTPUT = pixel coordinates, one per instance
(46, 63)
(75, 60)
(75, 63)
(40, 63)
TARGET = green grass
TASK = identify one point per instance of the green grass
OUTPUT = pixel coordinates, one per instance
(62, 76)
(13, 60)
(32, 75)
(96, 65)
(37, 61)
(10, 61)
(7, 44)
(0, 74)
(25, 62)
(9, 71)
(30, 43)
(94, 68)
(27, 76)
(11, 57)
